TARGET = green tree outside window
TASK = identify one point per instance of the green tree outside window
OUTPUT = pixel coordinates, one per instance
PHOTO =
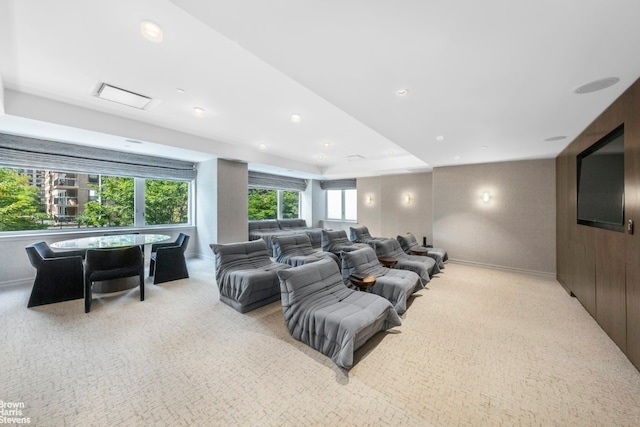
(20, 207)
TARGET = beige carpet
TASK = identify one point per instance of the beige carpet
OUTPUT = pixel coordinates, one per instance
(481, 347)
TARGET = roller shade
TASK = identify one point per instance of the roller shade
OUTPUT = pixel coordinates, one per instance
(24, 152)
(338, 184)
(276, 182)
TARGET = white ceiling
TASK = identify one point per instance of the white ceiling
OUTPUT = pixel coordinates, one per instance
(495, 78)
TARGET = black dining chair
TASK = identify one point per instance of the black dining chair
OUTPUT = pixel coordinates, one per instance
(58, 274)
(109, 264)
(167, 260)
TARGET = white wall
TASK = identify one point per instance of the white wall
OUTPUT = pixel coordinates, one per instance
(233, 182)
(388, 214)
(221, 212)
(515, 229)
(206, 207)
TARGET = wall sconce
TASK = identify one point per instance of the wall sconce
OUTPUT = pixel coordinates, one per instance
(407, 199)
(486, 197)
(369, 199)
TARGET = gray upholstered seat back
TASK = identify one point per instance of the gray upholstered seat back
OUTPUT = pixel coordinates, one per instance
(389, 248)
(360, 234)
(294, 244)
(286, 224)
(318, 281)
(263, 225)
(333, 237)
(240, 256)
(361, 261)
(407, 242)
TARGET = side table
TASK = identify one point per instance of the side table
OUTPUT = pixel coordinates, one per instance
(387, 261)
(363, 283)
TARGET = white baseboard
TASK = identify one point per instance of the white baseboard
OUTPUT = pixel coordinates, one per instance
(16, 283)
(544, 274)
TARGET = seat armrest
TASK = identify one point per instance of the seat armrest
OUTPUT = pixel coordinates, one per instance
(155, 246)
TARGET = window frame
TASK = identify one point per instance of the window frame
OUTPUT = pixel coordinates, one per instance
(139, 205)
(343, 209)
(279, 202)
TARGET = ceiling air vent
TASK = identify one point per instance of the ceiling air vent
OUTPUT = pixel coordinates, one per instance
(124, 97)
(355, 157)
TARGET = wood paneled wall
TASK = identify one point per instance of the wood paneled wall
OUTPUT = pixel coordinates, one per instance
(601, 267)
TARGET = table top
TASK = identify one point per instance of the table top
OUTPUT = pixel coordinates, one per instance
(387, 261)
(419, 251)
(363, 282)
(114, 241)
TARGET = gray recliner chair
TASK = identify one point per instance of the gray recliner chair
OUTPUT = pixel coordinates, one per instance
(337, 242)
(361, 234)
(245, 274)
(296, 250)
(409, 244)
(424, 266)
(322, 312)
(392, 284)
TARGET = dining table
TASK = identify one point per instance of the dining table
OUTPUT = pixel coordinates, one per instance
(111, 241)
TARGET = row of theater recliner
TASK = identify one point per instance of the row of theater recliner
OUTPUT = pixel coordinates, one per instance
(321, 305)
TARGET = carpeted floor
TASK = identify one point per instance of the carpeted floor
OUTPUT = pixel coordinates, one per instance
(480, 347)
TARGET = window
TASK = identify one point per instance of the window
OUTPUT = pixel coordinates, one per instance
(290, 203)
(273, 204)
(166, 202)
(342, 205)
(46, 199)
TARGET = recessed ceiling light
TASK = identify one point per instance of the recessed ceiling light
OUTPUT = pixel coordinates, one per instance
(391, 152)
(320, 157)
(151, 31)
(554, 138)
(296, 118)
(262, 146)
(198, 111)
(179, 90)
(402, 92)
(596, 85)
(440, 137)
(326, 145)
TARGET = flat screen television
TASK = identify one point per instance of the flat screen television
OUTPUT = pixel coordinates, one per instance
(600, 181)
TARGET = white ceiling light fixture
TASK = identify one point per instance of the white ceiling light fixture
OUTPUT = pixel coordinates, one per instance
(355, 157)
(440, 138)
(179, 90)
(125, 97)
(262, 146)
(198, 111)
(296, 118)
(596, 85)
(402, 92)
(151, 31)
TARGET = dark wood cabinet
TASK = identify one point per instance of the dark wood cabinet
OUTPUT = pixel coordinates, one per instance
(601, 267)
